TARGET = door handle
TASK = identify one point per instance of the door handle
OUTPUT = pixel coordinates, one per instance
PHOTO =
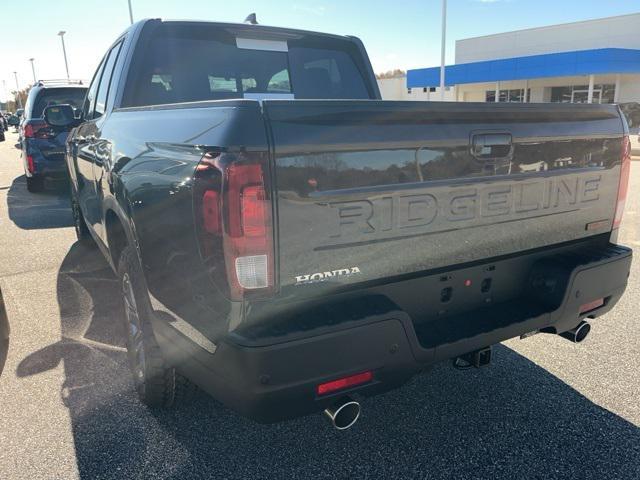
(489, 146)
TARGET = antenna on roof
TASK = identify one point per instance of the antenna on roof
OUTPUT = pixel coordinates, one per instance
(251, 19)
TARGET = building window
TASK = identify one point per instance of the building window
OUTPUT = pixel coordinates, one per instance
(602, 93)
(424, 90)
(561, 94)
(409, 91)
(508, 96)
(432, 89)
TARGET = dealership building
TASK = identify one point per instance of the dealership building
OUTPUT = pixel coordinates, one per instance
(594, 61)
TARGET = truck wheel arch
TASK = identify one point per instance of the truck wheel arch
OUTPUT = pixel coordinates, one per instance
(117, 238)
(119, 231)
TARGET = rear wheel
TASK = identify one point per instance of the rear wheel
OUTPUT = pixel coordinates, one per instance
(35, 184)
(82, 231)
(157, 384)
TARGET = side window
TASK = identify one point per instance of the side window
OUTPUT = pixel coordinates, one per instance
(89, 100)
(280, 82)
(103, 88)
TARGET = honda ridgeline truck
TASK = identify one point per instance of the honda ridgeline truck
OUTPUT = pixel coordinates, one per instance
(290, 243)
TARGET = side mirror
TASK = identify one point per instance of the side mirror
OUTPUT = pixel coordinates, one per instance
(59, 115)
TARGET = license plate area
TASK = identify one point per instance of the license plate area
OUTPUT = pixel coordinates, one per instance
(484, 298)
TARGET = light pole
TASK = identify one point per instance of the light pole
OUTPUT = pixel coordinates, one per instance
(130, 12)
(33, 70)
(442, 50)
(15, 74)
(64, 51)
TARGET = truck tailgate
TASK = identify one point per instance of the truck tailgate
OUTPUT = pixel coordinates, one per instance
(371, 189)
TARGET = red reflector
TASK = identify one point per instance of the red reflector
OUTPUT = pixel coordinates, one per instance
(30, 164)
(211, 212)
(587, 307)
(345, 382)
(253, 211)
(467, 283)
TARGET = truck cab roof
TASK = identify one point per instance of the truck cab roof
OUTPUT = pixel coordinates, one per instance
(261, 30)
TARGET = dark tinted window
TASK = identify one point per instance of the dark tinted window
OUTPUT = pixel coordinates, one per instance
(57, 96)
(103, 88)
(320, 73)
(193, 63)
(89, 101)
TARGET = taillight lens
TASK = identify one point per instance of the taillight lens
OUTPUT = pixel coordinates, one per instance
(253, 212)
(233, 210)
(38, 130)
(623, 187)
(248, 240)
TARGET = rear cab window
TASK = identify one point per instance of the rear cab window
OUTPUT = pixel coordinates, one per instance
(186, 63)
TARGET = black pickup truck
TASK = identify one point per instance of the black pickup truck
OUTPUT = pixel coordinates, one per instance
(290, 243)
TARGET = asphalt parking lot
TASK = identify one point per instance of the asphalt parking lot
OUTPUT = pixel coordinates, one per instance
(545, 408)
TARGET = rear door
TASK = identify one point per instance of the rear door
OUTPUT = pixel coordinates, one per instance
(368, 190)
(101, 146)
(81, 144)
(89, 145)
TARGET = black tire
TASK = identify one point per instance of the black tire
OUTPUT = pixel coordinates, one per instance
(35, 184)
(79, 223)
(157, 384)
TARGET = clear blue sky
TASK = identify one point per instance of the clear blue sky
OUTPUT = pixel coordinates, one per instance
(398, 34)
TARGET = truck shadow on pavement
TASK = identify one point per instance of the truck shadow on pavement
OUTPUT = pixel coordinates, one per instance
(47, 209)
(511, 420)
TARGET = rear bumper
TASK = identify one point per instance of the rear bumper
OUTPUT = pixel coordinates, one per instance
(51, 165)
(275, 379)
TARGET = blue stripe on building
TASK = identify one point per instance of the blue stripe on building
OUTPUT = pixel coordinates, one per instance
(563, 64)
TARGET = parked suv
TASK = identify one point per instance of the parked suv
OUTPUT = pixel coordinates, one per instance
(42, 145)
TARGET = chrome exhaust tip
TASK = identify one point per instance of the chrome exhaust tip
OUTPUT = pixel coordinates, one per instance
(578, 334)
(344, 414)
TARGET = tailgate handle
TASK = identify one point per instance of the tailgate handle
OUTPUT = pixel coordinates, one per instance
(492, 146)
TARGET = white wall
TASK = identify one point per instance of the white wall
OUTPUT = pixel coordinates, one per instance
(396, 89)
(613, 32)
(629, 88)
(393, 88)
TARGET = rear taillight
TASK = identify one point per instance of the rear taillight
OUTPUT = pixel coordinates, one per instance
(248, 239)
(38, 130)
(233, 210)
(623, 186)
